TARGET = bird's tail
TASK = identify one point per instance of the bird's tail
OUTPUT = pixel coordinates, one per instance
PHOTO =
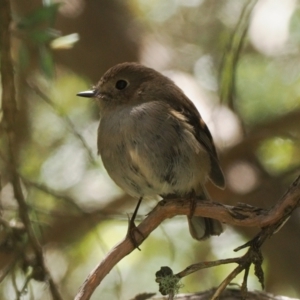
(202, 228)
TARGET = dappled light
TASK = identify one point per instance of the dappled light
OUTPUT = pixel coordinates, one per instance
(237, 60)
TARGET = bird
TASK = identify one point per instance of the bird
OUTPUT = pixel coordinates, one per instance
(153, 141)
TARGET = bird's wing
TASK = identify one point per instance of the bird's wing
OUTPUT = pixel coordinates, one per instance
(187, 108)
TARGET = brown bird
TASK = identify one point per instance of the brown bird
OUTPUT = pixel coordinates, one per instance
(153, 141)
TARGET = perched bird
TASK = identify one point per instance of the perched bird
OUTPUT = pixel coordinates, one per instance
(153, 141)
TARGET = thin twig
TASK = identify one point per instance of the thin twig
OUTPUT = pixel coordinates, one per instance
(206, 264)
(252, 256)
(9, 265)
(66, 119)
(52, 192)
(232, 53)
(226, 281)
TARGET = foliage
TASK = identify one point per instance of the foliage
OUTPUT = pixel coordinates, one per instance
(248, 96)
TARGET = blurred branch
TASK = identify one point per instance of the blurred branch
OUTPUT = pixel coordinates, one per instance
(284, 126)
(241, 215)
(66, 119)
(9, 265)
(52, 192)
(231, 56)
(10, 115)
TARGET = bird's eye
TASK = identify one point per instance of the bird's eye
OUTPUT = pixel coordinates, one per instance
(121, 84)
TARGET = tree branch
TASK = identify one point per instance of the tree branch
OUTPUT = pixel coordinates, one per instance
(241, 215)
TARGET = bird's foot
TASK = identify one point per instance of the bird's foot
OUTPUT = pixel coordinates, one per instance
(131, 230)
(193, 203)
(132, 227)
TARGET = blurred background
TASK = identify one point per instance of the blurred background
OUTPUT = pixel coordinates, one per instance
(237, 60)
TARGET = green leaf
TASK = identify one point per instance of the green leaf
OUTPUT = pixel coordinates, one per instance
(46, 62)
(40, 16)
(41, 37)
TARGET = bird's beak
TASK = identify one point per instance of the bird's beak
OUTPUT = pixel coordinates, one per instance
(87, 94)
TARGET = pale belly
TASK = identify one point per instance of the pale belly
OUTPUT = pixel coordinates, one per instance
(158, 158)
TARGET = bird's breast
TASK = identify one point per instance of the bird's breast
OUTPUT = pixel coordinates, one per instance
(150, 154)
